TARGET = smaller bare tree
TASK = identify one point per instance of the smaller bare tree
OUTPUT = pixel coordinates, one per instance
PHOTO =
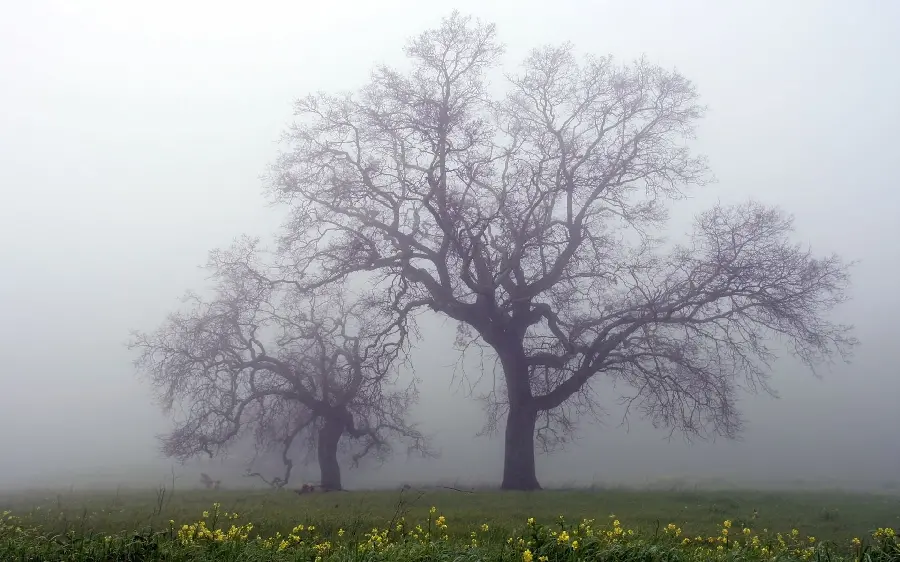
(292, 370)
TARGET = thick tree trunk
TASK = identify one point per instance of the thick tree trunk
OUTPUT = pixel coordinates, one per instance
(519, 470)
(330, 470)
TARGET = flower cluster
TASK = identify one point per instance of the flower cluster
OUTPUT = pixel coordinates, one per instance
(544, 543)
(531, 542)
(10, 524)
(207, 529)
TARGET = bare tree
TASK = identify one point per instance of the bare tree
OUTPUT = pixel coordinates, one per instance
(529, 220)
(292, 370)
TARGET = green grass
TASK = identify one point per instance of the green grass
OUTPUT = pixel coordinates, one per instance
(833, 516)
(838, 516)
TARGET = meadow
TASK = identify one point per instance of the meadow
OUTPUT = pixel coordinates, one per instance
(424, 524)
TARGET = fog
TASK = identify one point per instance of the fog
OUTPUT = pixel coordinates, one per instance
(132, 140)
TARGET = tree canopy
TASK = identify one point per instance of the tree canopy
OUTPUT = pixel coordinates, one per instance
(530, 219)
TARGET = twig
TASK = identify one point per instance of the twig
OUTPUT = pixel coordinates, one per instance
(399, 508)
(458, 490)
(275, 483)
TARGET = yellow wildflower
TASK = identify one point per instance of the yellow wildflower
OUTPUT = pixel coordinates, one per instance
(527, 556)
(884, 533)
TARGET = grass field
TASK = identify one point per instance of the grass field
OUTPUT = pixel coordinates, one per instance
(488, 517)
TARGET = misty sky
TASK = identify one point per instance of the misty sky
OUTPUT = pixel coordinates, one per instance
(132, 138)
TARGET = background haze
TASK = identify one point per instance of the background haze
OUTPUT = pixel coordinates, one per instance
(132, 136)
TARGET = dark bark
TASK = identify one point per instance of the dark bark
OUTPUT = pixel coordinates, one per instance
(330, 470)
(519, 470)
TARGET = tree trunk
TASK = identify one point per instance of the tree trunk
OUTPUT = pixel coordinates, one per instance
(519, 470)
(330, 470)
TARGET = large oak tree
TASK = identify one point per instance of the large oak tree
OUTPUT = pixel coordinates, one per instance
(293, 371)
(529, 219)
